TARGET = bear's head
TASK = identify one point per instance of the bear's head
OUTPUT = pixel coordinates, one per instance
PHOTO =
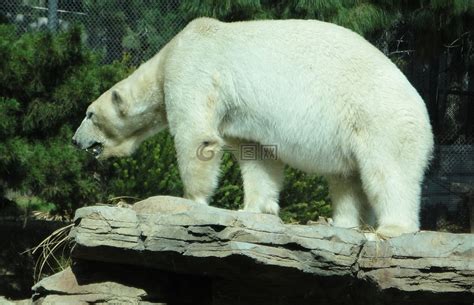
(121, 119)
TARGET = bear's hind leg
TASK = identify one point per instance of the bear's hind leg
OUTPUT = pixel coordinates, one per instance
(394, 196)
(262, 183)
(347, 199)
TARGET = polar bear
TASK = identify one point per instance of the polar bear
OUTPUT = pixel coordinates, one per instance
(329, 101)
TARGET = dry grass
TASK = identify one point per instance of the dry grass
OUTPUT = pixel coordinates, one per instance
(52, 249)
(49, 252)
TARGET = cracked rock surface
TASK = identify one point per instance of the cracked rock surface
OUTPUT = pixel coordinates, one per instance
(194, 254)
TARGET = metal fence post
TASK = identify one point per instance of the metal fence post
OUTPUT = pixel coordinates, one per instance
(53, 15)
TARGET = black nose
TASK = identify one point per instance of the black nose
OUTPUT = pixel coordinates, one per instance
(74, 142)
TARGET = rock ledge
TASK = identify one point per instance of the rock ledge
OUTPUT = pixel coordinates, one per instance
(168, 250)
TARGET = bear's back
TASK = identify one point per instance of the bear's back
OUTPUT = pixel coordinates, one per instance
(309, 53)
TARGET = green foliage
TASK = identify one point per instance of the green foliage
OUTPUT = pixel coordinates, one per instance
(46, 82)
(136, 27)
(362, 16)
(151, 171)
(27, 204)
(223, 10)
(302, 212)
(230, 193)
(8, 109)
(304, 197)
(363, 19)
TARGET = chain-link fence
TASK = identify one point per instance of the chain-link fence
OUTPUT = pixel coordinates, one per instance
(116, 28)
(448, 191)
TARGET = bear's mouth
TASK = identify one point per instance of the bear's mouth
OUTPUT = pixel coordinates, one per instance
(95, 149)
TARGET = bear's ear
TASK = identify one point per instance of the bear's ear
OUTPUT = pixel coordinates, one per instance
(119, 103)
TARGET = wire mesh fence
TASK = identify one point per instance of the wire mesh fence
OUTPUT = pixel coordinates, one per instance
(116, 28)
(448, 190)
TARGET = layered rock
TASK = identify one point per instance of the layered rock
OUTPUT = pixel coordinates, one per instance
(194, 254)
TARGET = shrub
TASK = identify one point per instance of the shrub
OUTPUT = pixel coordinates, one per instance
(152, 170)
(46, 83)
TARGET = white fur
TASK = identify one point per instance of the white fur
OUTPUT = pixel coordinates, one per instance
(330, 101)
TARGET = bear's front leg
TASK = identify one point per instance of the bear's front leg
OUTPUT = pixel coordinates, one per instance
(199, 156)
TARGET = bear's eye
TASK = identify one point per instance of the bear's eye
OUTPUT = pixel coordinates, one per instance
(89, 115)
